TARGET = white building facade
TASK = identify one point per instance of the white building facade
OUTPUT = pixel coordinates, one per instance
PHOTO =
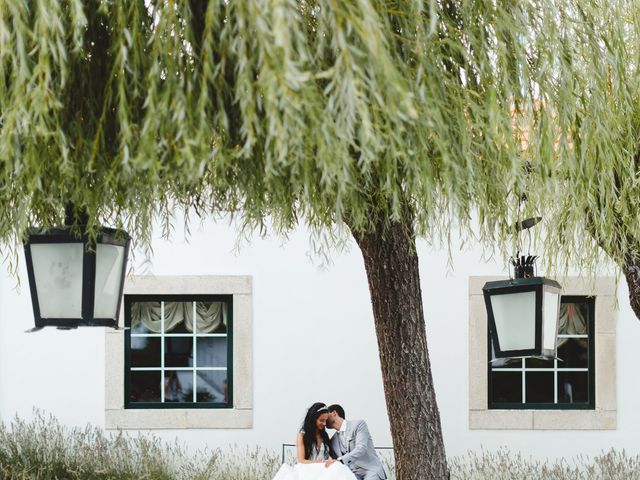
(227, 346)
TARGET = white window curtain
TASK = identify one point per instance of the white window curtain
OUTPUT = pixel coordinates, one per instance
(209, 316)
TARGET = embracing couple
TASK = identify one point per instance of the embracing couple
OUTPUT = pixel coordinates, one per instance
(348, 455)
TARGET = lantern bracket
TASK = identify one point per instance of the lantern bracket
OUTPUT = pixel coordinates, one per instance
(33, 330)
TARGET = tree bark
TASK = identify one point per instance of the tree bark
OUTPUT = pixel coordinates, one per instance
(627, 259)
(631, 269)
(391, 262)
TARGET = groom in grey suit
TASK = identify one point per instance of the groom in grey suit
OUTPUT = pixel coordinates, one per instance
(353, 444)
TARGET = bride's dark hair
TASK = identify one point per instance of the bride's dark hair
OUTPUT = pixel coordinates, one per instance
(309, 428)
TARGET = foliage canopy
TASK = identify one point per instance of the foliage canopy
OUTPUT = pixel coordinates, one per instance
(595, 96)
(320, 110)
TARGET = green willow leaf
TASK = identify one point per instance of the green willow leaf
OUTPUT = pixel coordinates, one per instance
(324, 111)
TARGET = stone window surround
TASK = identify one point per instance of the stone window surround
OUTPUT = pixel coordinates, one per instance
(604, 417)
(241, 415)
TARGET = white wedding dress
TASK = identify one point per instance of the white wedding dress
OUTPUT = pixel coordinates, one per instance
(315, 471)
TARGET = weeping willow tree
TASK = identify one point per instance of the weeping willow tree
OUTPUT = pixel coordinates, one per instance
(593, 99)
(388, 119)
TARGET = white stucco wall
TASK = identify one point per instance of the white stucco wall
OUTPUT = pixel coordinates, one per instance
(314, 340)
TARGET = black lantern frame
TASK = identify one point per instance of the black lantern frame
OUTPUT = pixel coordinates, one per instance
(539, 286)
(64, 235)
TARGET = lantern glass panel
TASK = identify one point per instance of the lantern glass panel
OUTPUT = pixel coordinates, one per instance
(550, 307)
(57, 269)
(515, 319)
(109, 264)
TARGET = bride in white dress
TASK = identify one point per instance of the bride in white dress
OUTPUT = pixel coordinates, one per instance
(316, 460)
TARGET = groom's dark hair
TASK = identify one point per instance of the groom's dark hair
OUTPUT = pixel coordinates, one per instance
(337, 408)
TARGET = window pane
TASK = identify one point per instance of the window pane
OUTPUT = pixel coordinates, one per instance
(539, 387)
(177, 315)
(177, 386)
(222, 328)
(574, 318)
(178, 328)
(538, 363)
(145, 352)
(211, 386)
(497, 363)
(507, 387)
(144, 387)
(145, 317)
(573, 387)
(165, 340)
(212, 352)
(177, 351)
(211, 317)
(574, 353)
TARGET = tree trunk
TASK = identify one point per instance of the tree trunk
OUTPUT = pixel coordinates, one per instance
(628, 261)
(391, 262)
(631, 269)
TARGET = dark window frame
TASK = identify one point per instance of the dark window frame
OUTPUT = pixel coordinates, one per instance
(591, 404)
(128, 301)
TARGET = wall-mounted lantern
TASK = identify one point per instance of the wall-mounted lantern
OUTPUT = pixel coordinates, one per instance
(523, 311)
(75, 281)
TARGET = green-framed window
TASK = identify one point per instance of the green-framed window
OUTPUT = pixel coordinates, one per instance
(178, 351)
(567, 382)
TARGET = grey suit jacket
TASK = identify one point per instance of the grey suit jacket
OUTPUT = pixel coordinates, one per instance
(356, 449)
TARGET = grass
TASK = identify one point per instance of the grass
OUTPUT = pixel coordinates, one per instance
(42, 448)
